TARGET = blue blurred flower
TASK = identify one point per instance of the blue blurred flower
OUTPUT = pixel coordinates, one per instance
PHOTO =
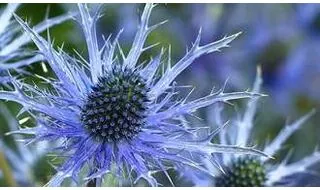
(239, 170)
(24, 159)
(282, 38)
(299, 75)
(109, 111)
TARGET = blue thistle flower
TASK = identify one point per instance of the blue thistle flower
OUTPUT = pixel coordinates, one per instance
(12, 55)
(242, 170)
(110, 111)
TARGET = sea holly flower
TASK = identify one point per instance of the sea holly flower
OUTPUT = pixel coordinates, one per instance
(239, 170)
(110, 114)
(12, 55)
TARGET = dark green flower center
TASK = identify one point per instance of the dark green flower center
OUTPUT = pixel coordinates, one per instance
(243, 172)
(115, 108)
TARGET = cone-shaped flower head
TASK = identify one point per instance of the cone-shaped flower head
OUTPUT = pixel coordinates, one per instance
(111, 111)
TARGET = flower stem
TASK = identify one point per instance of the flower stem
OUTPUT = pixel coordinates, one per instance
(4, 166)
(92, 183)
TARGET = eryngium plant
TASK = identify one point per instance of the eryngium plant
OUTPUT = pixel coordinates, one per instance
(110, 114)
(12, 55)
(242, 170)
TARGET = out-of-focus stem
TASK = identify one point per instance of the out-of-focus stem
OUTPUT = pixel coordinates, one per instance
(92, 183)
(7, 174)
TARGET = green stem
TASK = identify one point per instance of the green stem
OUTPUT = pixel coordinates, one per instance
(4, 166)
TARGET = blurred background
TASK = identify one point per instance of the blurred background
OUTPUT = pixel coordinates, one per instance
(284, 39)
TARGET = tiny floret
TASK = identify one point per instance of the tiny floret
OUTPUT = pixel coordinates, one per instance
(243, 172)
